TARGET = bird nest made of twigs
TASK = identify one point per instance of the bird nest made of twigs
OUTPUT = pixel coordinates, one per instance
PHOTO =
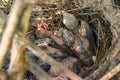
(49, 14)
(96, 20)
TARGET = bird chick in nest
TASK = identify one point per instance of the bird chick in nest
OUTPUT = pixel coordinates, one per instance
(69, 20)
(87, 36)
(42, 31)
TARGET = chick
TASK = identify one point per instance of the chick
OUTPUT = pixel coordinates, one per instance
(41, 31)
(87, 36)
(59, 33)
(73, 64)
(43, 42)
(85, 30)
(84, 45)
(82, 51)
(69, 20)
(68, 37)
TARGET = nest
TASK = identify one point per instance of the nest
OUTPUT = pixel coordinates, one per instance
(102, 33)
(95, 18)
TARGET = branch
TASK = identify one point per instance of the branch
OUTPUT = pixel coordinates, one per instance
(17, 64)
(11, 27)
(38, 72)
(115, 48)
(111, 73)
(3, 76)
(3, 19)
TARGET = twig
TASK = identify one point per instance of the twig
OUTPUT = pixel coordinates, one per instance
(50, 9)
(3, 76)
(104, 66)
(43, 56)
(3, 18)
(38, 72)
(111, 73)
(17, 65)
(10, 30)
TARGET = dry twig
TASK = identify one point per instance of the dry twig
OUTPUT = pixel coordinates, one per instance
(111, 73)
(38, 72)
(115, 48)
(17, 65)
(10, 30)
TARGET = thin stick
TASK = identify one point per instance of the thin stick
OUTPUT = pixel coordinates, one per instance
(3, 76)
(112, 52)
(110, 74)
(17, 64)
(10, 30)
(38, 72)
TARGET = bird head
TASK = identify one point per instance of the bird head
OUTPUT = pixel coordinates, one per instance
(42, 27)
(64, 13)
(85, 30)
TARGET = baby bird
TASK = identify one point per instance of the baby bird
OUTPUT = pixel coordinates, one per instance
(68, 38)
(86, 32)
(41, 31)
(84, 44)
(69, 20)
(73, 64)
